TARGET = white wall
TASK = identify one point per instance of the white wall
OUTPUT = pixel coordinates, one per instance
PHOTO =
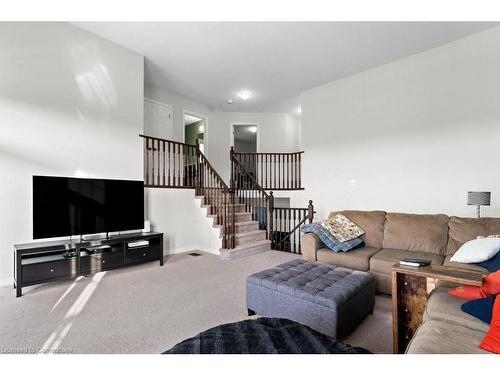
(71, 104)
(410, 136)
(177, 213)
(277, 132)
(179, 104)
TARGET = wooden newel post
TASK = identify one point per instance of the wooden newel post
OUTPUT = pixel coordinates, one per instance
(233, 221)
(271, 209)
(198, 178)
(310, 212)
(231, 158)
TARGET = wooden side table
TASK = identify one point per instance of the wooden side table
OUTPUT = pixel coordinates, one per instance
(409, 297)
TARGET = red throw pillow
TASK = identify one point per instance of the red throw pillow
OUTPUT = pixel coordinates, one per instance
(468, 292)
(491, 286)
(491, 341)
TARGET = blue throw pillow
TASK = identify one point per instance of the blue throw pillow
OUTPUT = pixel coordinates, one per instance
(328, 240)
(492, 264)
(480, 308)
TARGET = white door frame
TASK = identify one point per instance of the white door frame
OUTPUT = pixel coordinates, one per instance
(205, 127)
(169, 106)
(256, 124)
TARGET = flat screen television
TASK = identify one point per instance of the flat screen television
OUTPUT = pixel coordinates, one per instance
(64, 206)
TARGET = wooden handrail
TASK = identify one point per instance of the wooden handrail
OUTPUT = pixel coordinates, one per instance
(165, 140)
(269, 153)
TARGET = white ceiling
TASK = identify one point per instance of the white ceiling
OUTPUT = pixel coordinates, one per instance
(210, 62)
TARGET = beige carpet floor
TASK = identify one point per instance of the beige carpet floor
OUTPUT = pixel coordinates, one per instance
(148, 308)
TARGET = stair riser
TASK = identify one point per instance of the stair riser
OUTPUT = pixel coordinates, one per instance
(233, 253)
(249, 239)
(230, 208)
(247, 228)
(237, 219)
(244, 228)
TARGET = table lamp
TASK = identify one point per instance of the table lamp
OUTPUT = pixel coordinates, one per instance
(478, 198)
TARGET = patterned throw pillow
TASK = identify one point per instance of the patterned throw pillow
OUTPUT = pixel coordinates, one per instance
(342, 228)
(328, 240)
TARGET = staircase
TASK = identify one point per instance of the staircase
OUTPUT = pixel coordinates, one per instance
(243, 212)
(248, 238)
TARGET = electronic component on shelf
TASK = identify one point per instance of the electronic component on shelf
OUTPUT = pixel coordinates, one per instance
(138, 244)
(97, 249)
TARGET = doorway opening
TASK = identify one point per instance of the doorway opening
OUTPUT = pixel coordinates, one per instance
(194, 129)
(245, 138)
(245, 143)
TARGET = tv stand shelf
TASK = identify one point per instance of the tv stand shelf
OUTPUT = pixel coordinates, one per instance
(42, 262)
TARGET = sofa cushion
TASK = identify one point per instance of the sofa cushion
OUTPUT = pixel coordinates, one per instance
(386, 258)
(447, 308)
(372, 222)
(438, 337)
(383, 282)
(463, 229)
(357, 259)
(465, 266)
(425, 233)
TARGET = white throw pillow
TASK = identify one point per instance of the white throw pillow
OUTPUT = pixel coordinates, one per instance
(478, 250)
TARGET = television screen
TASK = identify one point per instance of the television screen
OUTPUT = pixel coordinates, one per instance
(64, 206)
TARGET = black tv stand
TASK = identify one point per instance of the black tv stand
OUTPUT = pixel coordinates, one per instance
(41, 262)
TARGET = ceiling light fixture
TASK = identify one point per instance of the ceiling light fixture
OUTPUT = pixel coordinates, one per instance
(299, 110)
(245, 94)
(252, 129)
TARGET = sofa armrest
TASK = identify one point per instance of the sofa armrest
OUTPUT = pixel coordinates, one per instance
(310, 244)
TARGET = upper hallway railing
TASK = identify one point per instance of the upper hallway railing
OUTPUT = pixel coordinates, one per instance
(273, 170)
(169, 164)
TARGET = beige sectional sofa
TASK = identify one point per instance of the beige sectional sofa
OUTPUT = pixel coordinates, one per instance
(446, 328)
(390, 237)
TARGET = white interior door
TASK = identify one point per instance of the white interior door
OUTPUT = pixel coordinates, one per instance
(157, 119)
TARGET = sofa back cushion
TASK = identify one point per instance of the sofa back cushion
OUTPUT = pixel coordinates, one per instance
(372, 222)
(425, 233)
(463, 229)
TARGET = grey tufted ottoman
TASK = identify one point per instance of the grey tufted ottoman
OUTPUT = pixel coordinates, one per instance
(332, 300)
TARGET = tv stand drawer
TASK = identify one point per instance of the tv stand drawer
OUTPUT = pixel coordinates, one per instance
(143, 254)
(39, 272)
(100, 262)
